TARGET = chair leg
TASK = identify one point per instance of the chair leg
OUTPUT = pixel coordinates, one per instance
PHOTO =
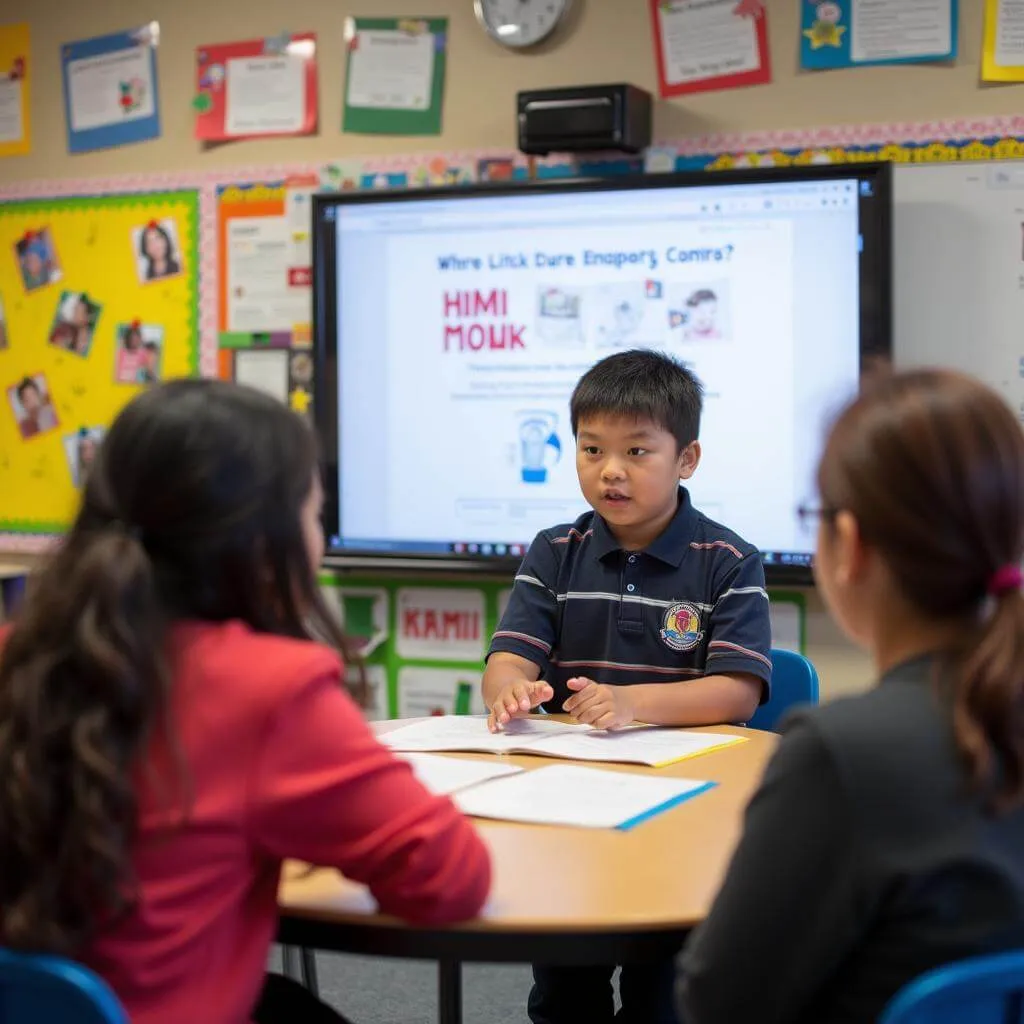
(309, 975)
(290, 966)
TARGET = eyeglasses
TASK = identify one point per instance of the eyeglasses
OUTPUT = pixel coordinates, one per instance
(809, 514)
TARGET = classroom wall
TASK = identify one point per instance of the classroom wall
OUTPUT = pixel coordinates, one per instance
(606, 40)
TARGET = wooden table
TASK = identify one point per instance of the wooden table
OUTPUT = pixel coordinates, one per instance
(566, 896)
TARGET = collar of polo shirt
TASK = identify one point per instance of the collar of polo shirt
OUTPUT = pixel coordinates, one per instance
(669, 547)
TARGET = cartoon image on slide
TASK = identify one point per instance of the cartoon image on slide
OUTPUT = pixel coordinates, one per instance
(623, 315)
(558, 316)
(700, 312)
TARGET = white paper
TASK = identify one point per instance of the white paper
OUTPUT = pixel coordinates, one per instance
(265, 95)
(435, 691)
(570, 795)
(445, 624)
(883, 30)
(470, 732)
(391, 70)
(95, 84)
(538, 736)
(706, 40)
(1010, 34)
(258, 295)
(446, 775)
(12, 128)
(652, 747)
(266, 370)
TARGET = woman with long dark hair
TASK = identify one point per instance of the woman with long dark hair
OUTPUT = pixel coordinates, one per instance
(887, 837)
(173, 723)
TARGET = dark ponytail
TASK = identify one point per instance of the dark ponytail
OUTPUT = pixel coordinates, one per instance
(192, 511)
(988, 708)
(82, 680)
(931, 466)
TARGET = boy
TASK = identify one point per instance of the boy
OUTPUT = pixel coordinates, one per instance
(37, 415)
(642, 610)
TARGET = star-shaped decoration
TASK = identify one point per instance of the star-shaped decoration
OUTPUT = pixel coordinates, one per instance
(300, 400)
(823, 33)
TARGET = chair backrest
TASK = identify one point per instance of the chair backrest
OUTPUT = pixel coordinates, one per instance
(35, 989)
(794, 681)
(982, 990)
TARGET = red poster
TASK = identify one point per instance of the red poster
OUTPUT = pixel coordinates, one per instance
(704, 45)
(256, 88)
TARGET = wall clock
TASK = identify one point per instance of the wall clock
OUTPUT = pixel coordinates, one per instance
(518, 24)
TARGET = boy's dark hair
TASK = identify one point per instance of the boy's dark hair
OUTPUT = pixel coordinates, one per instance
(641, 384)
(24, 386)
(701, 295)
(151, 346)
(190, 512)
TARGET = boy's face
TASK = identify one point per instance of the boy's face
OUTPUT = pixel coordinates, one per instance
(629, 473)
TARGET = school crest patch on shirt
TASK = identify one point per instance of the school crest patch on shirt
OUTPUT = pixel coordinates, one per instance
(681, 629)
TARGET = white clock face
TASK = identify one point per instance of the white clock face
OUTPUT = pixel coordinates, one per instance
(519, 23)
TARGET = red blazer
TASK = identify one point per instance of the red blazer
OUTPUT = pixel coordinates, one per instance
(279, 764)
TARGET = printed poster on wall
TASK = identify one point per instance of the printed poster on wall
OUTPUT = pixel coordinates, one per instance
(859, 33)
(444, 624)
(258, 87)
(110, 89)
(703, 45)
(424, 692)
(15, 90)
(1002, 53)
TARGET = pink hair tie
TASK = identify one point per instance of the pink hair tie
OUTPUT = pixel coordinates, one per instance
(1005, 580)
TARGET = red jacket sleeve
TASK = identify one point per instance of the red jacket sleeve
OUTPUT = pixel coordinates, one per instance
(326, 792)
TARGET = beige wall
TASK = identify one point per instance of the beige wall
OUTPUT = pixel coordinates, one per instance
(606, 40)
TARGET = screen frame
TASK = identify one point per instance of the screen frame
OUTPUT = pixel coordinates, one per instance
(875, 299)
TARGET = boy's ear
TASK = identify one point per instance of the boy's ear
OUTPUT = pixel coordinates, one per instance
(689, 459)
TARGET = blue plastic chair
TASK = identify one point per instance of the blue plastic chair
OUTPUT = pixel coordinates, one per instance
(982, 990)
(794, 681)
(35, 989)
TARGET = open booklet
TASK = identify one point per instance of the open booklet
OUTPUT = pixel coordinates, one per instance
(649, 745)
(574, 795)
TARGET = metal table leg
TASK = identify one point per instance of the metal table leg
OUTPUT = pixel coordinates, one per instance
(309, 975)
(449, 991)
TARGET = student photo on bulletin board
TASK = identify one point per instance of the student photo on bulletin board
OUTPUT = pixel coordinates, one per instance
(37, 259)
(157, 250)
(74, 323)
(3, 326)
(33, 408)
(80, 449)
(139, 351)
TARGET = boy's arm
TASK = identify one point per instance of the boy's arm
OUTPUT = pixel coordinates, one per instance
(521, 647)
(738, 665)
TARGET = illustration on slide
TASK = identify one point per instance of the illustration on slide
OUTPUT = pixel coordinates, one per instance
(613, 314)
(700, 312)
(558, 316)
(539, 446)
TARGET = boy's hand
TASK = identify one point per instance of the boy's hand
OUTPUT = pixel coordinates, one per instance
(599, 705)
(515, 700)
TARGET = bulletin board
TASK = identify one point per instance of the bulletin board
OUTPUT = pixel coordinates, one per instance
(99, 298)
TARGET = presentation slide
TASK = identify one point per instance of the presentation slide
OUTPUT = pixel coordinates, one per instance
(464, 326)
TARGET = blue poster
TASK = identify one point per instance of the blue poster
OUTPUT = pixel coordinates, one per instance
(859, 33)
(110, 89)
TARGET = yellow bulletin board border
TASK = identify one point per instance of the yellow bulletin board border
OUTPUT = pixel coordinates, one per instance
(186, 203)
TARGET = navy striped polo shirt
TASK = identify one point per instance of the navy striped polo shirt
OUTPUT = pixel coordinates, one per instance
(691, 604)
